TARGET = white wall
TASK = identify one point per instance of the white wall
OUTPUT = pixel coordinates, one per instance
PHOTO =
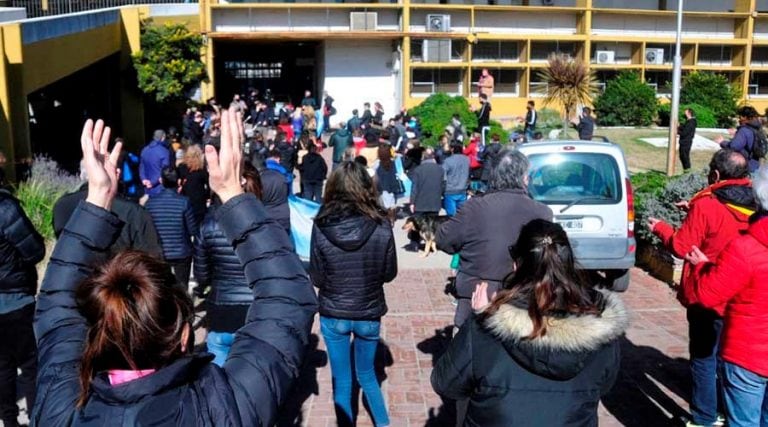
(661, 26)
(357, 72)
(525, 23)
(690, 5)
(283, 19)
(12, 13)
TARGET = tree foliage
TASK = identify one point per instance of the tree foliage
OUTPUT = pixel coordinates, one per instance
(627, 101)
(435, 113)
(705, 118)
(569, 83)
(168, 65)
(712, 91)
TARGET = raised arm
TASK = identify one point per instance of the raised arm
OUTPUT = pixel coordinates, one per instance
(268, 351)
(83, 245)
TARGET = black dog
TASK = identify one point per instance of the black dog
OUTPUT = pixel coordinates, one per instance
(426, 226)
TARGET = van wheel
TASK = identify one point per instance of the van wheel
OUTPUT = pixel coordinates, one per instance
(619, 279)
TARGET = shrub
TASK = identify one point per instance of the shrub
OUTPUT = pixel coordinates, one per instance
(714, 92)
(169, 63)
(43, 188)
(435, 114)
(570, 82)
(496, 128)
(627, 101)
(661, 203)
(704, 116)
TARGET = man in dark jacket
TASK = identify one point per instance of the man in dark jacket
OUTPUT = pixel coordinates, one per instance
(365, 121)
(745, 136)
(531, 117)
(512, 381)
(427, 185)
(687, 131)
(154, 157)
(313, 172)
(483, 113)
(21, 247)
(586, 125)
(340, 141)
(354, 122)
(328, 110)
(274, 192)
(175, 222)
(456, 167)
(138, 233)
(716, 215)
(485, 227)
(308, 100)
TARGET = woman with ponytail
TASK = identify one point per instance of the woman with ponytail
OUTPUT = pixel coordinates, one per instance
(545, 349)
(115, 338)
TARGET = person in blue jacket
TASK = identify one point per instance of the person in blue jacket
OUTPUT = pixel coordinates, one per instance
(114, 336)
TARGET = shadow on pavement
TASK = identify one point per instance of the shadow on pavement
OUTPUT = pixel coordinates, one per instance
(307, 385)
(636, 399)
(445, 415)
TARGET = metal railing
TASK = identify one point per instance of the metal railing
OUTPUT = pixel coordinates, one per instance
(38, 8)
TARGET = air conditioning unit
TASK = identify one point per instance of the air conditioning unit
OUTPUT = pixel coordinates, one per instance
(605, 56)
(654, 56)
(548, 2)
(439, 23)
(363, 21)
(436, 50)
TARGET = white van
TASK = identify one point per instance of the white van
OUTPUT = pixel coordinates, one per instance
(586, 184)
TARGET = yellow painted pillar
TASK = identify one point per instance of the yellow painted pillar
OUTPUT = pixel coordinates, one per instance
(15, 106)
(207, 88)
(131, 100)
(405, 69)
(6, 129)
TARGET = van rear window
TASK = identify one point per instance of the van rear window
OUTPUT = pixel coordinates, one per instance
(561, 178)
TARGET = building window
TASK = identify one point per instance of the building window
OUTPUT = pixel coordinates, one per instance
(495, 51)
(506, 82)
(715, 55)
(758, 84)
(425, 82)
(253, 70)
(540, 51)
(760, 56)
(438, 50)
(660, 81)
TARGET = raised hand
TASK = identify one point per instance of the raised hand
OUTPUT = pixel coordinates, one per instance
(224, 166)
(100, 164)
(480, 297)
(696, 256)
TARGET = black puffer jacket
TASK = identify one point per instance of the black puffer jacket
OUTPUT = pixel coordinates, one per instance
(350, 260)
(175, 222)
(490, 158)
(275, 197)
(313, 168)
(263, 363)
(554, 380)
(21, 247)
(217, 264)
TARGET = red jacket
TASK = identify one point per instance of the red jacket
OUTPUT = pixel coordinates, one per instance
(715, 217)
(471, 152)
(740, 279)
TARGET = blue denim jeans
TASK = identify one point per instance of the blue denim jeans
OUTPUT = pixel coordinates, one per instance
(218, 344)
(337, 334)
(746, 400)
(453, 202)
(704, 329)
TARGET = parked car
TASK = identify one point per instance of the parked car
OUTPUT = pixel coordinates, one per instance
(587, 186)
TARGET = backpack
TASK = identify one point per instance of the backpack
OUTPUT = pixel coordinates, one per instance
(759, 144)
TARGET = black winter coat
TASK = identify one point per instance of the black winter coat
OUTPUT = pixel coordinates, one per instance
(313, 168)
(217, 264)
(687, 131)
(555, 380)
(194, 185)
(21, 247)
(386, 180)
(586, 128)
(263, 363)
(175, 223)
(351, 258)
(275, 197)
(139, 232)
(481, 233)
(490, 157)
(428, 186)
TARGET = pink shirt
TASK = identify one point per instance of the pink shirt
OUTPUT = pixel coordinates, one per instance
(117, 377)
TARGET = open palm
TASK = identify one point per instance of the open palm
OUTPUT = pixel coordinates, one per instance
(100, 164)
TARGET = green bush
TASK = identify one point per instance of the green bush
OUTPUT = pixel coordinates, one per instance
(169, 63)
(714, 92)
(627, 101)
(705, 118)
(659, 203)
(435, 113)
(39, 193)
(496, 128)
(647, 185)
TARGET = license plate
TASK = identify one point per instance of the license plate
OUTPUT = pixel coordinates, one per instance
(571, 224)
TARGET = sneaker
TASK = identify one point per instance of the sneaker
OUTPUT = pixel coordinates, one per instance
(720, 421)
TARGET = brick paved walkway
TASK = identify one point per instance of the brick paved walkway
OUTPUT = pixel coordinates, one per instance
(651, 389)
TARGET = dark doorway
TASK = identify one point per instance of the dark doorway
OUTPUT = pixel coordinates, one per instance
(286, 68)
(57, 111)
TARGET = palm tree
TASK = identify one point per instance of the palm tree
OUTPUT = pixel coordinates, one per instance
(569, 83)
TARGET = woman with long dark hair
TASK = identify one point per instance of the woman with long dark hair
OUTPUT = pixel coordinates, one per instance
(217, 267)
(352, 256)
(546, 348)
(115, 336)
(386, 182)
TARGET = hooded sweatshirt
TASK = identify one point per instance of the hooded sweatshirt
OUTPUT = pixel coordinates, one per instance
(351, 258)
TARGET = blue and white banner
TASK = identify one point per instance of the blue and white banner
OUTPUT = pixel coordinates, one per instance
(303, 213)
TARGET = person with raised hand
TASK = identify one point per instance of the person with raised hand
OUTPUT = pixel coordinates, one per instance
(115, 336)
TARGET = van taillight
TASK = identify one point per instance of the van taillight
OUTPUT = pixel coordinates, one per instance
(630, 209)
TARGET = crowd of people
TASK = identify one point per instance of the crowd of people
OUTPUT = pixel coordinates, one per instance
(534, 343)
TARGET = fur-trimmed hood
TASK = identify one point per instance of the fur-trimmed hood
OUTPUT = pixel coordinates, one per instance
(569, 342)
